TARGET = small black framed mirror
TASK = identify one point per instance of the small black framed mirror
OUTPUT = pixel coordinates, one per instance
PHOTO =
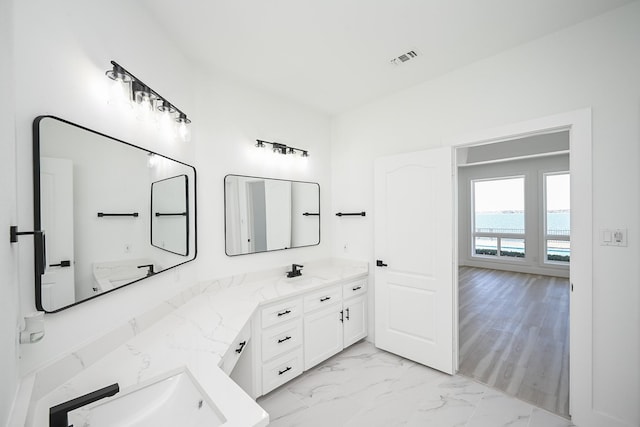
(268, 214)
(94, 201)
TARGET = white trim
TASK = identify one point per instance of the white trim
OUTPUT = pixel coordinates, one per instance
(499, 236)
(510, 159)
(544, 237)
(581, 275)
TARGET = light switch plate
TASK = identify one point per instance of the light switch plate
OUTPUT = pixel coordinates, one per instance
(613, 237)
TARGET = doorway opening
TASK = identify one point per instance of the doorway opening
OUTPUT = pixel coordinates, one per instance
(514, 255)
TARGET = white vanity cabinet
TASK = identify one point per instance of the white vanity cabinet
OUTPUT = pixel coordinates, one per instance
(240, 344)
(278, 355)
(295, 334)
(354, 294)
(329, 329)
(323, 333)
(355, 320)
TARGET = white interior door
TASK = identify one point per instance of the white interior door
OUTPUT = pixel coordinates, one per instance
(414, 239)
(56, 190)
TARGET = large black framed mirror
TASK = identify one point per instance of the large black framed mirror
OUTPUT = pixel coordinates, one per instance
(95, 199)
(267, 214)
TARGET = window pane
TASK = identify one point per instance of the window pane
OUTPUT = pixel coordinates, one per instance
(486, 246)
(512, 248)
(558, 204)
(558, 216)
(558, 250)
(499, 205)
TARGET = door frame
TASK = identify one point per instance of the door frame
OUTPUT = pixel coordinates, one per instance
(578, 123)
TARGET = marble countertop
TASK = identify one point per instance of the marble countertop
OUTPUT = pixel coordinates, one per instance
(197, 335)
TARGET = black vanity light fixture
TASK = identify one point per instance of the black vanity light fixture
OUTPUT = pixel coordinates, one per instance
(130, 89)
(281, 148)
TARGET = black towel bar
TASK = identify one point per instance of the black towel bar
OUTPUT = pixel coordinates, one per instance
(102, 214)
(363, 213)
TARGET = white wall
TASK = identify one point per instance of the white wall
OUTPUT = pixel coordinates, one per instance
(594, 64)
(231, 117)
(532, 170)
(9, 291)
(62, 51)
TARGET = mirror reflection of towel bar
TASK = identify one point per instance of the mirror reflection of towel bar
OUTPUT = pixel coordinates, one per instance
(102, 214)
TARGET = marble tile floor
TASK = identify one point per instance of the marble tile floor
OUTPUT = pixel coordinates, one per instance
(367, 387)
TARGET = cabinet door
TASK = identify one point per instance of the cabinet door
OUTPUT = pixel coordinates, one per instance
(355, 320)
(322, 335)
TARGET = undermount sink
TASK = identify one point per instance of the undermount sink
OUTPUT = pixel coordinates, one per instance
(175, 399)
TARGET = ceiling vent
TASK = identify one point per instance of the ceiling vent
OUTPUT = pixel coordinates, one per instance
(404, 57)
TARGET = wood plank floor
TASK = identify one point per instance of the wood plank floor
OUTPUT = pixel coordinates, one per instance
(514, 334)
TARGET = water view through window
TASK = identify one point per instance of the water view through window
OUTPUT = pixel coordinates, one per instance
(557, 217)
(498, 217)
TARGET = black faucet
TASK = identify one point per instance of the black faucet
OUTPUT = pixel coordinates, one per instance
(58, 414)
(295, 270)
(150, 267)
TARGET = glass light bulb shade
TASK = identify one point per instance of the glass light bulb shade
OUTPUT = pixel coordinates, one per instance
(184, 133)
(153, 159)
(165, 107)
(144, 97)
(120, 93)
(182, 118)
(118, 74)
(305, 154)
(144, 109)
(166, 125)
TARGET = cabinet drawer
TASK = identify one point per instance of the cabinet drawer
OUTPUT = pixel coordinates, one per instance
(281, 338)
(353, 289)
(236, 349)
(281, 370)
(281, 312)
(322, 298)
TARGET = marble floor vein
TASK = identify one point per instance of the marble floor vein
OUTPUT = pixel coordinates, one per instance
(367, 387)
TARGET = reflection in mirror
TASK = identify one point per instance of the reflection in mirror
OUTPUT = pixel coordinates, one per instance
(92, 198)
(264, 214)
(170, 215)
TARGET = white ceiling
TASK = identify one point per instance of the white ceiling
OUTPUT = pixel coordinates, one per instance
(334, 55)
